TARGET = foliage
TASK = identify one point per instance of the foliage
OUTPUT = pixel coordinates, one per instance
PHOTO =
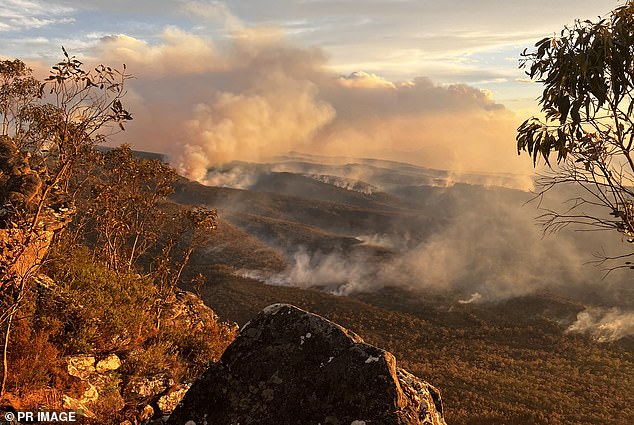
(118, 201)
(18, 91)
(94, 305)
(197, 349)
(107, 282)
(35, 360)
(588, 99)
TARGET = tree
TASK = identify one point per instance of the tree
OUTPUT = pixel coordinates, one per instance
(105, 279)
(45, 129)
(124, 215)
(588, 77)
(122, 205)
(18, 90)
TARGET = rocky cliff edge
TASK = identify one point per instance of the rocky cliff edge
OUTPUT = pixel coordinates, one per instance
(289, 366)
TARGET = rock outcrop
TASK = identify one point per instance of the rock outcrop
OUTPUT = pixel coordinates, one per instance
(288, 366)
(23, 247)
(98, 379)
(185, 310)
(18, 183)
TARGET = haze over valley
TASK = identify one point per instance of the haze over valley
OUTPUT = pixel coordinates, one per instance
(357, 226)
(452, 274)
(355, 159)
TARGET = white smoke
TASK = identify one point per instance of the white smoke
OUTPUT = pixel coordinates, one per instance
(475, 297)
(236, 177)
(308, 270)
(391, 242)
(333, 273)
(604, 325)
(279, 114)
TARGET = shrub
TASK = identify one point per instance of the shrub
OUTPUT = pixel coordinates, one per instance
(101, 311)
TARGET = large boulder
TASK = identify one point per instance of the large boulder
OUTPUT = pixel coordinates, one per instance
(288, 366)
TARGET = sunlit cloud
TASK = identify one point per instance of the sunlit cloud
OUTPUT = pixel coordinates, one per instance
(258, 94)
(18, 15)
(179, 53)
(360, 79)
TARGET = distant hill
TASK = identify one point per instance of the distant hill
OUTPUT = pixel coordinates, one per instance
(151, 156)
(454, 278)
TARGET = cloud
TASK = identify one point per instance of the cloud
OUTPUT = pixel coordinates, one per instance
(364, 80)
(256, 94)
(399, 39)
(213, 12)
(455, 127)
(179, 53)
(19, 15)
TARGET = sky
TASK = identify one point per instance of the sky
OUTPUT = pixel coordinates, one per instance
(435, 83)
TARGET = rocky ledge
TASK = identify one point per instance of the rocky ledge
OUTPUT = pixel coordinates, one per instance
(289, 366)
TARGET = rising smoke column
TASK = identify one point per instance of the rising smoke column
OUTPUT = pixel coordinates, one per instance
(254, 94)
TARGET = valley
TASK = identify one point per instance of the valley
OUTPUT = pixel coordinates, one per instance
(499, 353)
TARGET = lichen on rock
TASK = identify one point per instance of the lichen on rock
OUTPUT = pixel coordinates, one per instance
(274, 373)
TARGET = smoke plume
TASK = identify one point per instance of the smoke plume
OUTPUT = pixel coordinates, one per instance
(251, 94)
(446, 237)
(604, 325)
(254, 94)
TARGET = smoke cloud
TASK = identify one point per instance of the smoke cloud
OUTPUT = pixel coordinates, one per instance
(492, 245)
(254, 94)
(335, 273)
(460, 238)
(604, 325)
(475, 297)
(278, 113)
(455, 127)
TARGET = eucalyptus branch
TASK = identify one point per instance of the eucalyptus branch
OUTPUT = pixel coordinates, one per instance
(588, 104)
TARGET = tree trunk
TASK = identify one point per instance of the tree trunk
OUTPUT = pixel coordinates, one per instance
(5, 364)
